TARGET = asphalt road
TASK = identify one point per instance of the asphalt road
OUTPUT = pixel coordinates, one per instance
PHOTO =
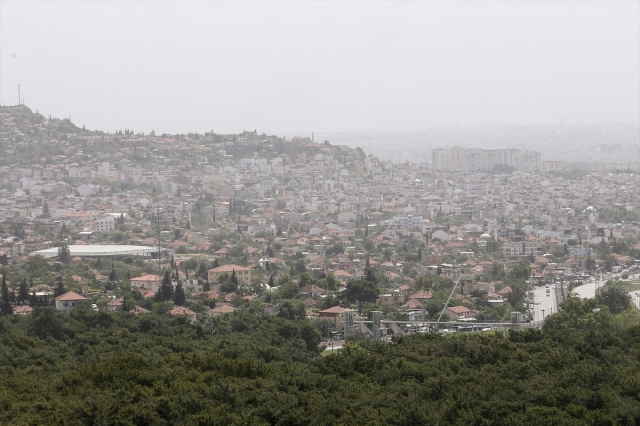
(635, 297)
(548, 303)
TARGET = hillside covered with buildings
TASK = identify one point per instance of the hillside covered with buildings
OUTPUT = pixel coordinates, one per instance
(198, 278)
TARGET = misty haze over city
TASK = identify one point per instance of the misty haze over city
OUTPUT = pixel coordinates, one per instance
(396, 78)
(319, 213)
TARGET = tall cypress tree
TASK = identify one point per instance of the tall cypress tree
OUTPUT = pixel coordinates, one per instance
(233, 278)
(23, 295)
(179, 296)
(60, 290)
(125, 304)
(166, 289)
(7, 309)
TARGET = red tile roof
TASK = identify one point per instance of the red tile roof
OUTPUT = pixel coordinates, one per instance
(223, 309)
(148, 277)
(70, 295)
(229, 268)
(336, 310)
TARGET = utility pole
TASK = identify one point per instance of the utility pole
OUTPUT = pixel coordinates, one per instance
(18, 93)
(159, 250)
(459, 275)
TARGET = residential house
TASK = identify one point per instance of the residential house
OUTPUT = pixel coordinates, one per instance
(68, 300)
(222, 309)
(182, 311)
(242, 273)
(456, 313)
(147, 281)
(312, 290)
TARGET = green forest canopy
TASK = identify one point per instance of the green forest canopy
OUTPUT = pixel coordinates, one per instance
(121, 369)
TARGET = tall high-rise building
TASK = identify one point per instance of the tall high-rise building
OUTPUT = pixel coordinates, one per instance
(531, 161)
(440, 159)
(457, 160)
(473, 159)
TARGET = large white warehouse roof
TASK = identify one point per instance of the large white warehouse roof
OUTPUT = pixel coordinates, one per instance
(94, 250)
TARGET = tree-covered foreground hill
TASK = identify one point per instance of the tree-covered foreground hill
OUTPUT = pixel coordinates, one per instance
(120, 369)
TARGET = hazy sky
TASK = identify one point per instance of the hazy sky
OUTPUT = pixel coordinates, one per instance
(302, 66)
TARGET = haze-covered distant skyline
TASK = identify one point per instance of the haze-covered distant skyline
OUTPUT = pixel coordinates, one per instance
(325, 67)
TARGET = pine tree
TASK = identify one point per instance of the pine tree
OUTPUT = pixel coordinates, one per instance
(188, 225)
(271, 282)
(172, 262)
(64, 254)
(234, 278)
(6, 303)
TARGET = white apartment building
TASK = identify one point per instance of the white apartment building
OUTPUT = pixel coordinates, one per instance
(459, 158)
(403, 221)
(440, 159)
(579, 251)
(105, 224)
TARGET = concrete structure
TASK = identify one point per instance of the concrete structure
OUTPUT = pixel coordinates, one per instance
(335, 316)
(96, 250)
